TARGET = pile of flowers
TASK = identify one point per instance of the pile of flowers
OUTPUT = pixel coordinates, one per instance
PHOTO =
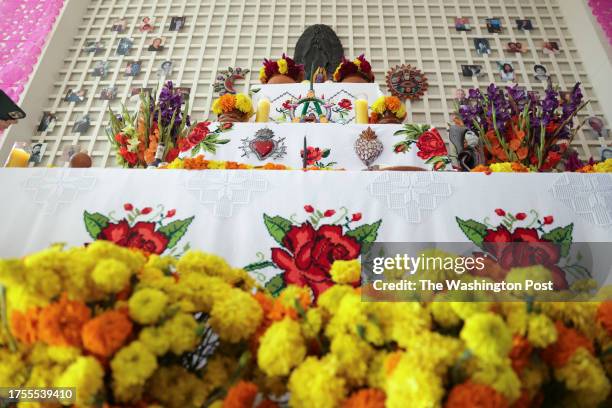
(517, 126)
(514, 167)
(199, 162)
(359, 66)
(230, 102)
(132, 329)
(385, 104)
(283, 66)
(150, 136)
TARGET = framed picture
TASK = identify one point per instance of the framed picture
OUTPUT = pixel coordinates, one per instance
(147, 24)
(37, 150)
(47, 122)
(119, 25)
(550, 47)
(506, 70)
(494, 25)
(482, 46)
(540, 73)
(177, 23)
(471, 70)
(157, 44)
(462, 24)
(109, 93)
(101, 69)
(133, 68)
(124, 46)
(94, 47)
(516, 47)
(76, 96)
(524, 24)
(82, 125)
(165, 69)
(135, 91)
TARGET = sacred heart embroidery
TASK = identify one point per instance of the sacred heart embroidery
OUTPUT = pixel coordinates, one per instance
(264, 145)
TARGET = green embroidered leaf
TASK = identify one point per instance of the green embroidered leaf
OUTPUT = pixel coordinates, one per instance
(326, 153)
(365, 233)
(276, 285)
(196, 150)
(561, 236)
(175, 230)
(474, 230)
(95, 223)
(577, 272)
(277, 227)
(258, 265)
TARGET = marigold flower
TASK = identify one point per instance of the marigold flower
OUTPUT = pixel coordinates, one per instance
(366, 398)
(106, 333)
(393, 103)
(604, 316)
(241, 395)
(133, 364)
(487, 336)
(147, 305)
(471, 395)
(520, 353)
(60, 323)
(568, 341)
(24, 326)
(227, 102)
(347, 272)
(86, 375)
(282, 348)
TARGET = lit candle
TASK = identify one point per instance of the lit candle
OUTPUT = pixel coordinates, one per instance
(361, 111)
(263, 110)
(18, 158)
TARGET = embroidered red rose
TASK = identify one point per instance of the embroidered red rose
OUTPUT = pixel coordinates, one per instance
(313, 155)
(329, 213)
(287, 104)
(146, 210)
(521, 216)
(141, 236)
(500, 212)
(400, 148)
(345, 104)
(309, 208)
(308, 255)
(430, 144)
(356, 217)
(128, 207)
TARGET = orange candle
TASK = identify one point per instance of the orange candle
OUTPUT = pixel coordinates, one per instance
(18, 158)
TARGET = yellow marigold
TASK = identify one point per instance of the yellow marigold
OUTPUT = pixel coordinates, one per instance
(500, 376)
(603, 167)
(181, 330)
(353, 357)
(244, 103)
(101, 249)
(127, 393)
(584, 375)
(201, 290)
(396, 327)
(155, 340)
(211, 265)
(443, 314)
(63, 355)
(434, 351)
(377, 373)
(536, 273)
(176, 164)
(133, 364)
(13, 371)
(18, 297)
(281, 348)
(43, 272)
(356, 317)
(87, 376)
(218, 371)
(175, 387)
(282, 66)
(311, 327)
(379, 106)
(346, 271)
(262, 74)
(467, 309)
(235, 317)
(147, 305)
(541, 331)
(43, 376)
(516, 317)
(331, 298)
(111, 276)
(487, 336)
(411, 385)
(12, 272)
(501, 167)
(315, 383)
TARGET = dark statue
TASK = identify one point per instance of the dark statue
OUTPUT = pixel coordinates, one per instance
(466, 150)
(319, 46)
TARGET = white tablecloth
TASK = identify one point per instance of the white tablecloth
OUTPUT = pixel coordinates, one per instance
(242, 215)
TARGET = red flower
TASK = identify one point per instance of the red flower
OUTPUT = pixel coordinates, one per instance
(121, 138)
(128, 207)
(430, 144)
(171, 213)
(308, 208)
(130, 157)
(356, 217)
(522, 248)
(146, 210)
(345, 104)
(226, 125)
(500, 212)
(313, 155)
(400, 148)
(287, 104)
(183, 144)
(198, 134)
(521, 216)
(172, 154)
(329, 213)
(548, 220)
(309, 255)
(141, 236)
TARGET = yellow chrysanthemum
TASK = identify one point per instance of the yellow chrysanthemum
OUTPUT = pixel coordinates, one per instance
(155, 340)
(356, 317)
(311, 326)
(603, 167)
(87, 376)
(379, 106)
(236, 316)
(181, 330)
(346, 271)
(211, 265)
(282, 348)
(315, 383)
(500, 376)
(177, 163)
(111, 276)
(175, 387)
(282, 66)
(353, 356)
(13, 372)
(200, 290)
(62, 354)
(410, 385)
(487, 336)
(443, 314)
(467, 309)
(501, 167)
(127, 393)
(535, 273)
(244, 103)
(147, 305)
(434, 351)
(516, 316)
(541, 331)
(331, 298)
(218, 371)
(262, 74)
(133, 364)
(584, 375)
(102, 249)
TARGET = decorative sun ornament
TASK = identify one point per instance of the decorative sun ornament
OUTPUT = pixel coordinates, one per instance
(407, 82)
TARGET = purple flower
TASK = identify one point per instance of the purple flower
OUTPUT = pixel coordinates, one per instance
(573, 162)
(170, 104)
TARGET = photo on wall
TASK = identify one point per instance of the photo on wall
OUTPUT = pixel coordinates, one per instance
(76, 96)
(108, 93)
(177, 23)
(540, 73)
(165, 69)
(550, 47)
(482, 46)
(471, 70)
(506, 70)
(47, 123)
(82, 125)
(101, 69)
(136, 91)
(147, 24)
(524, 24)
(37, 151)
(124, 46)
(516, 47)
(494, 25)
(94, 47)
(119, 25)
(462, 24)
(133, 68)
(157, 44)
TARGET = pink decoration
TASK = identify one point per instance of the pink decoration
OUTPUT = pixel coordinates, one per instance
(602, 10)
(24, 28)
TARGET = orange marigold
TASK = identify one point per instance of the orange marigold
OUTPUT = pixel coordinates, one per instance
(60, 323)
(392, 361)
(520, 353)
(481, 168)
(393, 103)
(241, 395)
(227, 102)
(24, 326)
(105, 334)
(267, 404)
(604, 316)
(366, 398)
(568, 341)
(474, 395)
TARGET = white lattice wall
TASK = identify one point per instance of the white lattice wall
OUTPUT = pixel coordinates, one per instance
(241, 33)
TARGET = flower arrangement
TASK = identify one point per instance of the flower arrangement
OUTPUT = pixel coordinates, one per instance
(150, 136)
(359, 66)
(129, 329)
(229, 104)
(517, 126)
(388, 109)
(284, 66)
(200, 163)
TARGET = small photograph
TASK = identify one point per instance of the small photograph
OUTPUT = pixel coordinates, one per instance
(516, 47)
(482, 46)
(147, 25)
(119, 25)
(177, 23)
(137, 91)
(494, 25)
(506, 70)
(133, 68)
(471, 70)
(165, 69)
(76, 96)
(94, 47)
(47, 122)
(37, 152)
(550, 47)
(109, 93)
(462, 24)
(69, 151)
(124, 47)
(101, 69)
(82, 125)
(540, 73)
(157, 44)
(524, 24)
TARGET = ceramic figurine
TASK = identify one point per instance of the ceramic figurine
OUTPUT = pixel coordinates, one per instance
(319, 46)
(466, 150)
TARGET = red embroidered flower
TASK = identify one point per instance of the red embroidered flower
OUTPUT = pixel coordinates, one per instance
(356, 217)
(313, 155)
(400, 148)
(146, 210)
(141, 236)
(287, 104)
(500, 212)
(430, 144)
(329, 213)
(345, 104)
(521, 216)
(310, 254)
(309, 208)
(548, 220)
(128, 207)
(171, 213)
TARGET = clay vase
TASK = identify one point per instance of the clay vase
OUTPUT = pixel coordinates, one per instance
(234, 116)
(284, 79)
(355, 79)
(80, 161)
(389, 118)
